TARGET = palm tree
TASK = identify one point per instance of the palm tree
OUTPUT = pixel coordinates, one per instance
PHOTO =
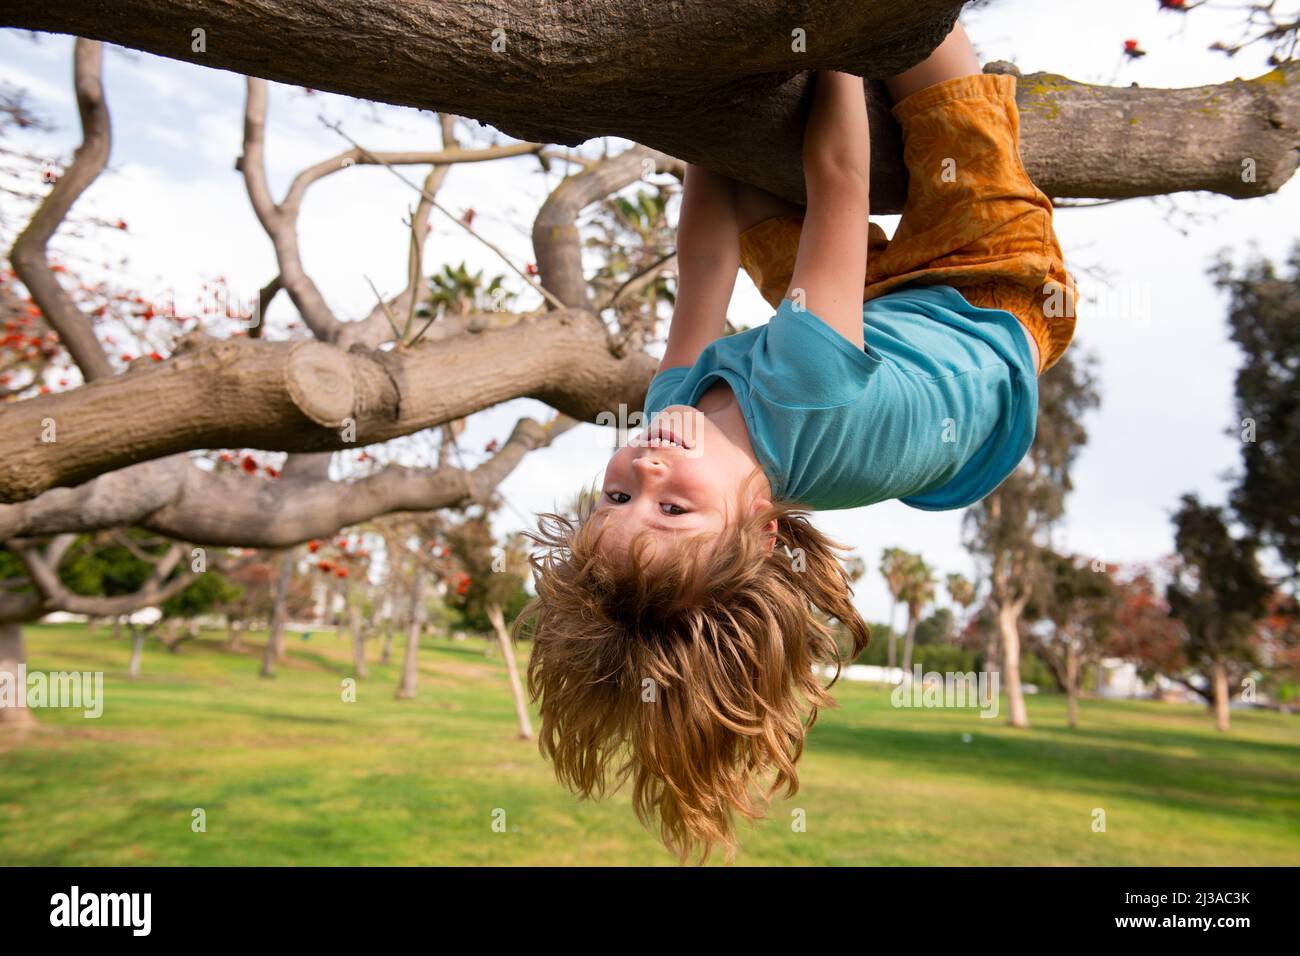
(893, 564)
(962, 593)
(917, 592)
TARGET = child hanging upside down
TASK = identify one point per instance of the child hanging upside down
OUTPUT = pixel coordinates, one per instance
(680, 619)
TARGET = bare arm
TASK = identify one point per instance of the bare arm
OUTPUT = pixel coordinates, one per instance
(830, 269)
(708, 259)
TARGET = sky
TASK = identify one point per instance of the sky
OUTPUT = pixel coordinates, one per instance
(1157, 326)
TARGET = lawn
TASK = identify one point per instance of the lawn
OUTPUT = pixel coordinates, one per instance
(287, 773)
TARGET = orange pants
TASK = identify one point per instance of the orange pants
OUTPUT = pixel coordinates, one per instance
(973, 219)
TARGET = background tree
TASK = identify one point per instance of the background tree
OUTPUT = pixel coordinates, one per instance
(1221, 597)
(917, 593)
(1007, 530)
(1264, 318)
(893, 566)
(1077, 600)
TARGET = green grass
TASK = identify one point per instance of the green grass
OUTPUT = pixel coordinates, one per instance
(289, 774)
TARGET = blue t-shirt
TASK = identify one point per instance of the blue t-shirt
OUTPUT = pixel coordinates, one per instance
(936, 410)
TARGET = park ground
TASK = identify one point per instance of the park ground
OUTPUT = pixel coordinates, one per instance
(287, 773)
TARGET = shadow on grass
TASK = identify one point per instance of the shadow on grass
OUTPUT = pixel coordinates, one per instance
(1085, 762)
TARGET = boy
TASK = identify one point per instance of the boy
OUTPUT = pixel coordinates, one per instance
(679, 620)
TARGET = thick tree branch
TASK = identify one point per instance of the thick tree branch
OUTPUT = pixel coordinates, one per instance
(175, 497)
(29, 254)
(726, 90)
(308, 396)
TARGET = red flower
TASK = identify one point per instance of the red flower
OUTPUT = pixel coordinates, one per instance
(227, 456)
(325, 566)
(341, 572)
(1173, 4)
(127, 357)
(463, 586)
(531, 268)
(1132, 51)
(155, 356)
(272, 472)
(121, 224)
(249, 464)
(313, 546)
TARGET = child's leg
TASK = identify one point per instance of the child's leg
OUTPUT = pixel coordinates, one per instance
(953, 57)
(754, 205)
(973, 220)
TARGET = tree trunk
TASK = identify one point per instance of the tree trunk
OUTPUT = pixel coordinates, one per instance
(137, 652)
(279, 614)
(1222, 721)
(908, 641)
(386, 656)
(234, 634)
(117, 627)
(1072, 686)
(13, 657)
(410, 662)
(893, 635)
(1008, 620)
(516, 687)
(358, 637)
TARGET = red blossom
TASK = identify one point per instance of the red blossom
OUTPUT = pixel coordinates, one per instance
(155, 356)
(249, 464)
(313, 546)
(342, 572)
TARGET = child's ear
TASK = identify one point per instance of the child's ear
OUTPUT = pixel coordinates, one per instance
(769, 529)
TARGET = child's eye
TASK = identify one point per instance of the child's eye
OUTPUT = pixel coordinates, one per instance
(618, 497)
(673, 510)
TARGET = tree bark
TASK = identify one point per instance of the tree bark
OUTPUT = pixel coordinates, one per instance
(13, 658)
(1008, 626)
(1071, 686)
(279, 614)
(1222, 718)
(729, 91)
(137, 652)
(516, 687)
(907, 644)
(357, 630)
(306, 396)
(406, 688)
(234, 635)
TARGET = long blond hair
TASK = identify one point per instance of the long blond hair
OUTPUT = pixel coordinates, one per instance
(692, 675)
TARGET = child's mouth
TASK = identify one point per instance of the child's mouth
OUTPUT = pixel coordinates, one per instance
(659, 436)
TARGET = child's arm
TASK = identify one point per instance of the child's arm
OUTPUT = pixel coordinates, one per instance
(708, 259)
(830, 269)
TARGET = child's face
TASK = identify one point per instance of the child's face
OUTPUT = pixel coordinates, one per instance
(679, 476)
